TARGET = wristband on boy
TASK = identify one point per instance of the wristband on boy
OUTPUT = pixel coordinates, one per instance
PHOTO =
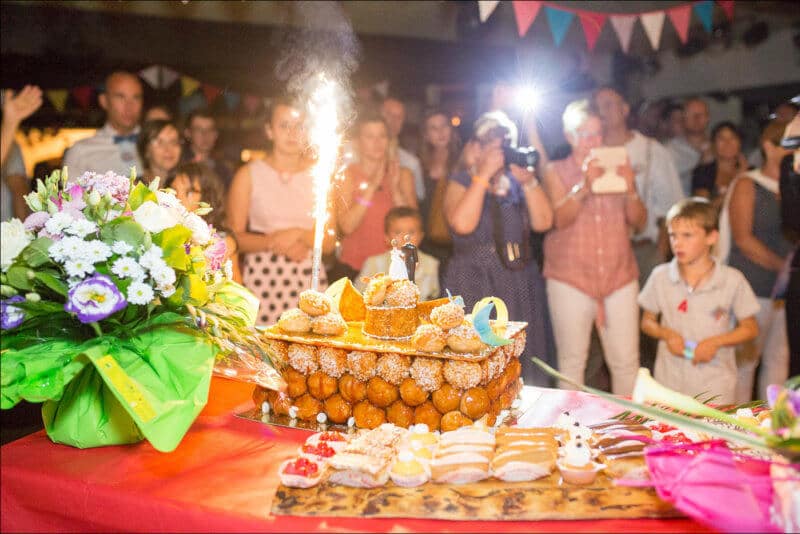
(688, 349)
(364, 202)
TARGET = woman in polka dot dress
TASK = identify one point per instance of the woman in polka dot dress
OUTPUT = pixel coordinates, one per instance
(270, 206)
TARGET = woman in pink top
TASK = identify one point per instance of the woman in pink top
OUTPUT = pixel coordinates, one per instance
(270, 206)
(589, 264)
(372, 186)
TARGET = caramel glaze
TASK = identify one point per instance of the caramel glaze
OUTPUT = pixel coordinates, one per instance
(617, 426)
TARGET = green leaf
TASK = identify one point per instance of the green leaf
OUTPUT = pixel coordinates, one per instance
(139, 195)
(123, 229)
(18, 277)
(52, 282)
(35, 254)
(172, 241)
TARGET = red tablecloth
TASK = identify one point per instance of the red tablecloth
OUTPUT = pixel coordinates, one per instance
(222, 477)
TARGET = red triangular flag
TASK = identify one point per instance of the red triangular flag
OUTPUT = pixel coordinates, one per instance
(83, 96)
(680, 17)
(211, 93)
(727, 7)
(592, 23)
(526, 12)
(251, 103)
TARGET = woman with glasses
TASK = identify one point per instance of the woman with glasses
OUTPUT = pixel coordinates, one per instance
(159, 147)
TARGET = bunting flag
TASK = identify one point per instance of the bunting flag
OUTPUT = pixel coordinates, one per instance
(653, 24)
(623, 25)
(525, 12)
(168, 77)
(189, 103)
(151, 76)
(231, 99)
(83, 96)
(727, 8)
(705, 10)
(211, 92)
(486, 8)
(251, 103)
(559, 22)
(58, 98)
(592, 24)
(680, 17)
(188, 85)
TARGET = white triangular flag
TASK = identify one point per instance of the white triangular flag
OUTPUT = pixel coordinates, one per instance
(486, 8)
(168, 77)
(623, 25)
(150, 75)
(653, 24)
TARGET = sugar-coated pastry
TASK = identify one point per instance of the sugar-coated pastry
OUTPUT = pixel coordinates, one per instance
(447, 316)
(407, 471)
(307, 407)
(321, 385)
(465, 339)
(474, 403)
(295, 321)
(427, 372)
(519, 343)
(446, 398)
(426, 413)
(338, 409)
(393, 367)
(380, 392)
(368, 415)
(429, 338)
(330, 324)
(277, 351)
(411, 393)
(454, 420)
(362, 365)
(279, 402)
(375, 292)
(352, 389)
(315, 303)
(463, 375)
(400, 414)
(494, 365)
(332, 361)
(301, 473)
(303, 358)
(401, 293)
(295, 382)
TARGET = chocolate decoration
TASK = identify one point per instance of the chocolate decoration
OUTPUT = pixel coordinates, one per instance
(411, 259)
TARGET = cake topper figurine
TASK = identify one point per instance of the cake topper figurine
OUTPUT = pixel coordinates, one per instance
(411, 258)
(397, 266)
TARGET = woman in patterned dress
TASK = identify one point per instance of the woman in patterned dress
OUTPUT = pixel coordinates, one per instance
(270, 207)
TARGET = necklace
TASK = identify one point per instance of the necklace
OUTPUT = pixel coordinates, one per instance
(691, 288)
(285, 177)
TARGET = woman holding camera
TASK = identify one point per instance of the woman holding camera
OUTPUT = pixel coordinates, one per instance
(491, 209)
(588, 261)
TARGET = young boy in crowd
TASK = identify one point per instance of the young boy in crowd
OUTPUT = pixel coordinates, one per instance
(399, 223)
(697, 297)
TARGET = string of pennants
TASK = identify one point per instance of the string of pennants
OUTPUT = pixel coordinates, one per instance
(194, 93)
(560, 18)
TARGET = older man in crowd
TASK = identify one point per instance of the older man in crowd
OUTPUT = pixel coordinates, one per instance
(113, 147)
(394, 113)
(694, 146)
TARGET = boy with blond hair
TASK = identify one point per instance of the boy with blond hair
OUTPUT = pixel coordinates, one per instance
(697, 298)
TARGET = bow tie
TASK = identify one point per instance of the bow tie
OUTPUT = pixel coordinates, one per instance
(132, 138)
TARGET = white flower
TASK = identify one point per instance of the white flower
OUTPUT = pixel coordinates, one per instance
(169, 200)
(79, 268)
(13, 239)
(140, 293)
(97, 251)
(228, 268)
(155, 218)
(167, 291)
(58, 222)
(201, 233)
(56, 251)
(127, 268)
(81, 228)
(121, 248)
(72, 248)
(163, 275)
(151, 258)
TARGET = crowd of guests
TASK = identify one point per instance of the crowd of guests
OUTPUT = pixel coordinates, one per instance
(693, 251)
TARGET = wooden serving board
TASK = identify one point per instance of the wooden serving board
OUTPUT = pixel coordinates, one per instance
(544, 499)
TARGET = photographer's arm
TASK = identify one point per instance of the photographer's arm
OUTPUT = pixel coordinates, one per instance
(539, 209)
(463, 205)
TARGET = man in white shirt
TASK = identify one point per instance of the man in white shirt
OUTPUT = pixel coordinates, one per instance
(657, 181)
(113, 147)
(694, 146)
(394, 113)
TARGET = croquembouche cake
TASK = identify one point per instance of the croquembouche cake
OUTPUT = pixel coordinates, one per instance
(383, 356)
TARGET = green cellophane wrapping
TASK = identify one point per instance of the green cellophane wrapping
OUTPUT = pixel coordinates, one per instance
(112, 391)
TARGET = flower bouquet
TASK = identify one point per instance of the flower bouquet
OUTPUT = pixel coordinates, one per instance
(116, 304)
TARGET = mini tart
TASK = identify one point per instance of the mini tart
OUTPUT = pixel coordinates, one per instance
(319, 451)
(580, 475)
(335, 440)
(315, 303)
(408, 472)
(295, 321)
(447, 316)
(301, 480)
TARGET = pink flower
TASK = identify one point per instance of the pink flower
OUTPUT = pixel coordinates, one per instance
(215, 254)
(109, 183)
(36, 220)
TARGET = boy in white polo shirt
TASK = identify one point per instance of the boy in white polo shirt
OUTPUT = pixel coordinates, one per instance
(697, 298)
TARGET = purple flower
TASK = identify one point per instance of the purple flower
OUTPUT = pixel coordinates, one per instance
(215, 254)
(75, 202)
(94, 299)
(11, 316)
(36, 220)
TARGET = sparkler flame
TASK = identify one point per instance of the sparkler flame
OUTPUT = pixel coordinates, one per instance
(325, 139)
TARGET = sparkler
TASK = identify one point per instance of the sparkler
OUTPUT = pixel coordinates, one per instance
(325, 139)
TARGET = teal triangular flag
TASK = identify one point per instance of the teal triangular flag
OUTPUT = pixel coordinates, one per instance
(231, 99)
(705, 11)
(559, 22)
